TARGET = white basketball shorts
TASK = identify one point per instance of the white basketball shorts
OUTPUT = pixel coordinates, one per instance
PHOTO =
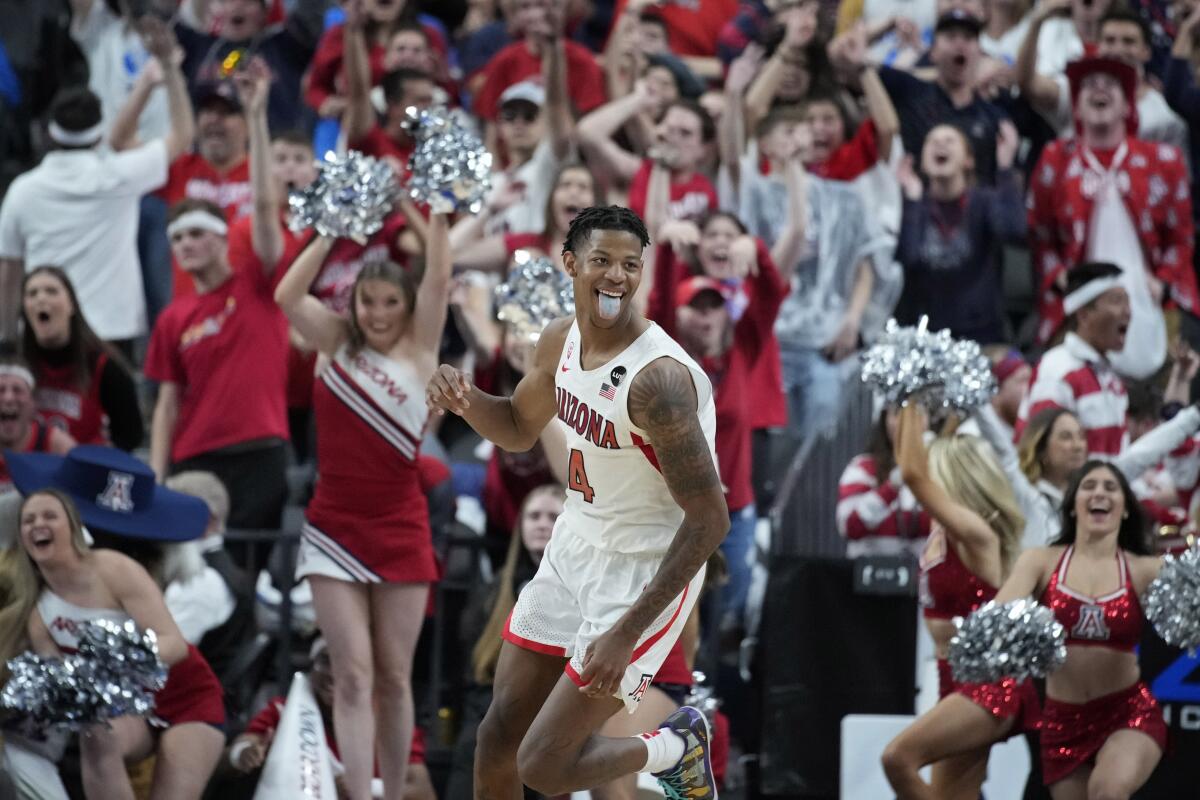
(579, 593)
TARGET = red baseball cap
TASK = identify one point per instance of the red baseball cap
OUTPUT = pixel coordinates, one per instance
(686, 292)
(1124, 74)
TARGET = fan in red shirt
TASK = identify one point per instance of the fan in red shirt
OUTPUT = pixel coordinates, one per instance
(692, 25)
(221, 355)
(683, 137)
(217, 171)
(542, 22)
(1107, 195)
(394, 39)
(383, 136)
(727, 326)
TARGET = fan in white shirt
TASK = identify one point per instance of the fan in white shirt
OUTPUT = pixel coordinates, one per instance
(78, 209)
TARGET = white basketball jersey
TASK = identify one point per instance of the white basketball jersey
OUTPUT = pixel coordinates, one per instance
(617, 499)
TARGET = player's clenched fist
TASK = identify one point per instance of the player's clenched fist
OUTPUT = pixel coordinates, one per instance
(448, 390)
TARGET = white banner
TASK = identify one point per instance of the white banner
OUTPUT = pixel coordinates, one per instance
(298, 766)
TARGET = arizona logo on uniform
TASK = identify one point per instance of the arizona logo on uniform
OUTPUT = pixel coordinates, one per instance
(117, 495)
(642, 686)
(1091, 624)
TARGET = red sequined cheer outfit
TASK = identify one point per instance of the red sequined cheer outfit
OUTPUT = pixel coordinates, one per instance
(948, 590)
(1073, 733)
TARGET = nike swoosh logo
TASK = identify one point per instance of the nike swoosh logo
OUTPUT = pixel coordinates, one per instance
(565, 368)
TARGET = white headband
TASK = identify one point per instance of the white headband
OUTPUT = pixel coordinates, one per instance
(87, 136)
(196, 218)
(18, 371)
(1089, 292)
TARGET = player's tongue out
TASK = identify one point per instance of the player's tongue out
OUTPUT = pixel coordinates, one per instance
(609, 305)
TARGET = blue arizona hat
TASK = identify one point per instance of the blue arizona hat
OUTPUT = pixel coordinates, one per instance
(114, 492)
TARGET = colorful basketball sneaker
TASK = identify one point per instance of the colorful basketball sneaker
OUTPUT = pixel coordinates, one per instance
(692, 778)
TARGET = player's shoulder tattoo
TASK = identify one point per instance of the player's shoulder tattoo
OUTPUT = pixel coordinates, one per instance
(663, 402)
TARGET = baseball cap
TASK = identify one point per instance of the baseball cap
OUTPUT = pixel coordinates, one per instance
(961, 19)
(1125, 74)
(527, 91)
(218, 91)
(1005, 367)
(687, 291)
(689, 85)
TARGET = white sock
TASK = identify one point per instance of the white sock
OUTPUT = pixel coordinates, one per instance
(664, 748)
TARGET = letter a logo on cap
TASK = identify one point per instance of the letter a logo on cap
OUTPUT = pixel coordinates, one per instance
(117, 495)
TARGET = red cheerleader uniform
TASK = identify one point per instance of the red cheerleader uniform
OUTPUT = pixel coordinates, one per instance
(1072, 733)
(368, 521)
(948, 589)
(192, 692)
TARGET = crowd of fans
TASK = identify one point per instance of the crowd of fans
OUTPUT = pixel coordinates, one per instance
(1022, 175)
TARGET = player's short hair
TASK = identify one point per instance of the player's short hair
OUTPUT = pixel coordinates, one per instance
(603, 218)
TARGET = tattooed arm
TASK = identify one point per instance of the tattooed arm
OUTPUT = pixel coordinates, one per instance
(662, 401)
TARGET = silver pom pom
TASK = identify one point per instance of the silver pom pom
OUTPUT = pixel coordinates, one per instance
(1172, 601)
(350, 199)
(943, 372)
(451, 169)
(115, 672)
(1018, 639)
(535, 293)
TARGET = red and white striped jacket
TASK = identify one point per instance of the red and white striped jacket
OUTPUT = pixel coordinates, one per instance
(878, 517)
(1075, 377)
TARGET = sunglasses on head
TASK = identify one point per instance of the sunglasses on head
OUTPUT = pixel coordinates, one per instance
(514, 113)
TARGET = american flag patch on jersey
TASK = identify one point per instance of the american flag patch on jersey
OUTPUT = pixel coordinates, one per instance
(608, 392)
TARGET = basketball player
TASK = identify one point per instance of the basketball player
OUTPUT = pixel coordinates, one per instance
(625, 564)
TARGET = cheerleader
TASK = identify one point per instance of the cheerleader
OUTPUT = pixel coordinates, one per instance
(55, 582)
(974, 541)
(367, 549)
(1102, 730)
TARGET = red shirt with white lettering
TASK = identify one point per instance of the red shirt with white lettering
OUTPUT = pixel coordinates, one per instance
(227, 351)
(192, 177)
(516, 63)
(690, 199)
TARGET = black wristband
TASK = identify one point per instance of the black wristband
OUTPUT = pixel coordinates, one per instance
(1169, 410)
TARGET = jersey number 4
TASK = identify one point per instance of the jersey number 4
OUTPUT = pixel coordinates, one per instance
(577, 478)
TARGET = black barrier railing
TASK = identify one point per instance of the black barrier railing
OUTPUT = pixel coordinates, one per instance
(282, 547)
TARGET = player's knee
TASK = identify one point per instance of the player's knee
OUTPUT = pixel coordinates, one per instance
(540, 772)
(496, 740)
